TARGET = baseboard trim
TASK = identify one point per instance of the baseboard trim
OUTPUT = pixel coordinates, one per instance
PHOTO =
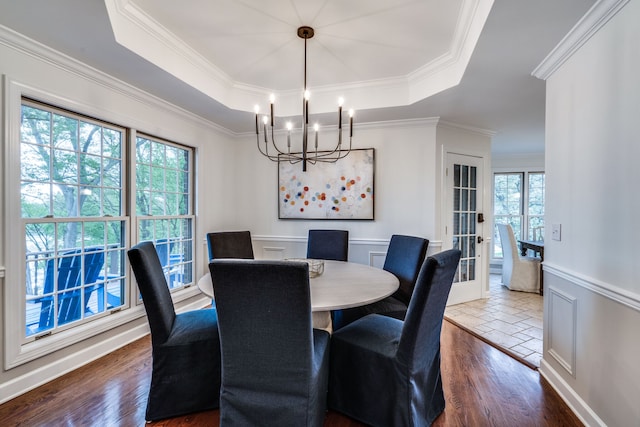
(39, 376)
(573, 400)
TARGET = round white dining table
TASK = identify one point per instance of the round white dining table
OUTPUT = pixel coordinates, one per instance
(341, 285)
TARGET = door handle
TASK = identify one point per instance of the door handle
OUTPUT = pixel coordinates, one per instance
(480, 239)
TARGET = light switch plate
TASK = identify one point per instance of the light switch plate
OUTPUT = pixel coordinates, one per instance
(556, 232)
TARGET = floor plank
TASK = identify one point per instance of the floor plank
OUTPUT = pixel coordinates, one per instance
(483, 387)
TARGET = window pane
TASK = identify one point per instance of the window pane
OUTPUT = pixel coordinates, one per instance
(65, 132)
(90, 135)
(65, 166)
(90, 169)
(35, 159)
(35, 200)
(111, 143)
(112, 175)
(164, 191)
(63, 171)
(36, 126)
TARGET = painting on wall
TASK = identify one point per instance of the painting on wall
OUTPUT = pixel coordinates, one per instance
(340, 190)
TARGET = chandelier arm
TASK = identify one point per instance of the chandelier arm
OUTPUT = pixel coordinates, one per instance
(275, 146)
(265, 153)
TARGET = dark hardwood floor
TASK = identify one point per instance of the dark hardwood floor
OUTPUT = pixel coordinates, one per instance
(483, 387)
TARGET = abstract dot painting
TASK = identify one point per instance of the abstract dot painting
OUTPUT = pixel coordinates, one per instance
(340, 190)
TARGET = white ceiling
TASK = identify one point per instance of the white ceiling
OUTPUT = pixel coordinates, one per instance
(375, 54)
(391, 59)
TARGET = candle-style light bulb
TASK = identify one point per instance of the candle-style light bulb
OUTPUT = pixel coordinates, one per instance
(289, 126)
(256, 108)
(307, 95)
(265, 119)
(340, 101)
(315, 128)
(272, 100)
(351, 122)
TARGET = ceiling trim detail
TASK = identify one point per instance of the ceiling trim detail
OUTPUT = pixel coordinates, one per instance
(139, 32)
(599, 14)
(43, 53)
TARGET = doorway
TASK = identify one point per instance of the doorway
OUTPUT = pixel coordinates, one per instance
(464, 223)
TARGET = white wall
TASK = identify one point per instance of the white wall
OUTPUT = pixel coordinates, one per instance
(532, 162)
(592, 297)
(74, 86)
(404, 191)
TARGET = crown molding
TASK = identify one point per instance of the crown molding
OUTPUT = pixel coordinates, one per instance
(469, 129)
(54, 58)
(139, 32)
(595, 18)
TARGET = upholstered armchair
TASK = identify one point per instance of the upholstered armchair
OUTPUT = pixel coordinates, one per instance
(518, 273)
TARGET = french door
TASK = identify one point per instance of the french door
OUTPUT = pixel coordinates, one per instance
(463, 221)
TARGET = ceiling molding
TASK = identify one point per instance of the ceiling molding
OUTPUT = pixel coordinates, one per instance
(447, 70)
(139, 32)
(57, 59)
(470, 129)
(599, 14)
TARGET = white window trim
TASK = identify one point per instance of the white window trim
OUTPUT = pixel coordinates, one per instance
(16, 352)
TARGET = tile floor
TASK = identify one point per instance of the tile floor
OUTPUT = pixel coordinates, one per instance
(511, 320)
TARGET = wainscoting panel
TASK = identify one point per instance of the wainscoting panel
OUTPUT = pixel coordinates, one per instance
(376, 258)
(272, 252)
(561, 328)
(363, 251)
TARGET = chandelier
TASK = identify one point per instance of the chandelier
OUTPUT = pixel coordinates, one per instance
(308, 154)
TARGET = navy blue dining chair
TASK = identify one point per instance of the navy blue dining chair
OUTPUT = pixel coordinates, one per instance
(386, 372)
(185, 376)
(328, 244)
(404, 258)
(274, 364)
(230, 244)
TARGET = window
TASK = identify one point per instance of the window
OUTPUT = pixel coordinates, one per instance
(163, 205)
(518, 204)
(71, 197)
(80, 192)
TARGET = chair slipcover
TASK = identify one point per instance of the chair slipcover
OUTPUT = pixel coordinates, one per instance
(328, 244)
(274, 365)
(386, 372)
(518, 273)
(186, 349)
(404, 259)
(230, 244)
